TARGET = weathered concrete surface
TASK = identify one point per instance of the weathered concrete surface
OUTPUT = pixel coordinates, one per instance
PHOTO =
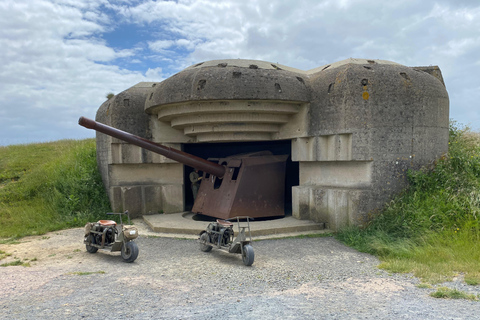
(182, 224)
(398, 120)
(230, 80)
(356, 126)
(136, 179)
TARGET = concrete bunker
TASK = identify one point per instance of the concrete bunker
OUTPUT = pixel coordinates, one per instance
(353, 128)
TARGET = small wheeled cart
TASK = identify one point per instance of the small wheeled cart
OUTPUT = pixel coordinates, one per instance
(105, 234)
(220, 234)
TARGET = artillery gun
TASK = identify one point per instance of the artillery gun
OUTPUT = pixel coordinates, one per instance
(250, 184)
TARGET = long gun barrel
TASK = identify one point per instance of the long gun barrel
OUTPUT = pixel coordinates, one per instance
(177, 155)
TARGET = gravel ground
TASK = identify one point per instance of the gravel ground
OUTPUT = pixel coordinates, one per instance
(316, 278)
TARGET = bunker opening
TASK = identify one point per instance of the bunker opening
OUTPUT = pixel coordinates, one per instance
(217, 152)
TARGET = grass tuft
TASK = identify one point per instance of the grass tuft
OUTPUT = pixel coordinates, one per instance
(4, 254)
(15, 263)
(447, 293)
(80, 273)
(424, 286)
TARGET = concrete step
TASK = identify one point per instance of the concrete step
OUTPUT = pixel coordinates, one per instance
(182, 223)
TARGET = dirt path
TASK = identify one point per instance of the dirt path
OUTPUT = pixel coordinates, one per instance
(316, 278)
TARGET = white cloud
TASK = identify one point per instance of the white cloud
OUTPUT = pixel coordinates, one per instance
(155, 74)
(306, 34)
(57, 61)
(160, 45)
(54, 67)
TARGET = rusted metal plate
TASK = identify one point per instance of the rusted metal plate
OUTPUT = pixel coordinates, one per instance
(255, 188)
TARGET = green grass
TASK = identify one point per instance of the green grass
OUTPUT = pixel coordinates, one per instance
(9, 241)
(49, 186)
(80, 273)
(423, 286)
(15, 263)
(4, 254)
(447, 293)
(433, 228)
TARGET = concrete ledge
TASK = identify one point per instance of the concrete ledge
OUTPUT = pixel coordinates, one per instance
(182, 223)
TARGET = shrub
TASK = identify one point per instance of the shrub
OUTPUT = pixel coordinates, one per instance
(438, 215)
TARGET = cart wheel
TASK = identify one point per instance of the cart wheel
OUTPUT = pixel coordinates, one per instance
(248, 255)
(205, 238)
(91, 249)
(129, 251)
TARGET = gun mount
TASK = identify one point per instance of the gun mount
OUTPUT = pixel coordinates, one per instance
(241, 185)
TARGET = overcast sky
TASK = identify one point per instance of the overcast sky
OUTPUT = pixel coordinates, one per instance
(60, 58)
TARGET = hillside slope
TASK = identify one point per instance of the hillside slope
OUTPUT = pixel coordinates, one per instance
(49, 186)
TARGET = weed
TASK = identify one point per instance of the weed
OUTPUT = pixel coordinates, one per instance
(472, 280)
(16, 263)
(4, 254)
(447, 293)
(9, 241)
(13, 263)
(79, 273)
(423, 286)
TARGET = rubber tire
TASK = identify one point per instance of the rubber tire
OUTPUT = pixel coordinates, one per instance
(205, 238)
(90, 248)
(129, 251)
(248, 255)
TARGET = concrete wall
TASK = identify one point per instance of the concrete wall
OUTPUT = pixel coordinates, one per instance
(377, 119)
(136, 179)
(356, 127)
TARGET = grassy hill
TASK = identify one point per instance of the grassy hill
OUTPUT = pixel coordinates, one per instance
(49, 186)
